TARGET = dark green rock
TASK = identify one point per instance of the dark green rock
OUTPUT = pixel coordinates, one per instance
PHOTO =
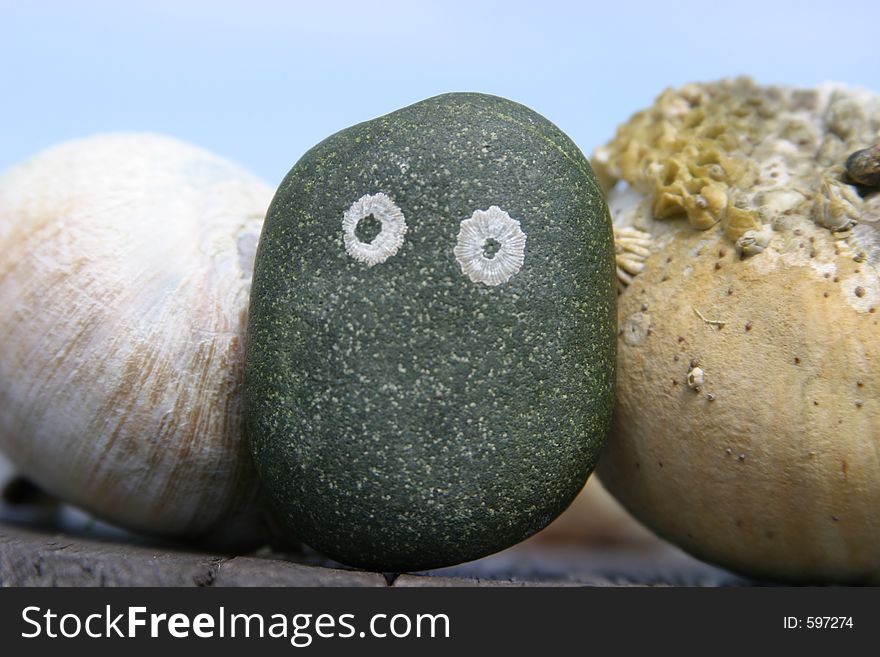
(402, 415)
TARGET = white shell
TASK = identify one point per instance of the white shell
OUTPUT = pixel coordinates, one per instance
(124, 281)
(492, 224)
(390, 238)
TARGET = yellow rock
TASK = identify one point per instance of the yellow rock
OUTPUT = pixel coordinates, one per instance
(747, 425)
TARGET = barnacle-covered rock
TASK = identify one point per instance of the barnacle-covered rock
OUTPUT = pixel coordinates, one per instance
(747, 423)
(435, 386)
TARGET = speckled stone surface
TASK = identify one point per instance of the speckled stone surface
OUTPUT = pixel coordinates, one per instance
(402, 416)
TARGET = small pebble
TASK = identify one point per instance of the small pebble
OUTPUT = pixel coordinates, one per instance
(863, 167)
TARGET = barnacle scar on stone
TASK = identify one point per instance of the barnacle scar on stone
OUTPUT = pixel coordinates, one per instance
(386, 242)
(491, 246)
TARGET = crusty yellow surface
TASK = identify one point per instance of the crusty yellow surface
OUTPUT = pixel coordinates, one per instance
(718, 153)
(771, 465)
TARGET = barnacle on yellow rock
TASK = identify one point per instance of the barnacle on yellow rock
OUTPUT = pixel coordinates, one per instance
(834, 206)
(739, 221)
(753, 242)
(739, 156)
(631, 248)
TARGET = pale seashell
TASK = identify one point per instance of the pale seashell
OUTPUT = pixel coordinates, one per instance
(124, 281)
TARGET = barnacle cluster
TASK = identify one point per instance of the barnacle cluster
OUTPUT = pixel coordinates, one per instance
(743, 157)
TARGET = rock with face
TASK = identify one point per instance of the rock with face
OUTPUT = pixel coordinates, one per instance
(430, 359)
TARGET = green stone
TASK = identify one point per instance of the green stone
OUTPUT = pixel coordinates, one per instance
(407, 409)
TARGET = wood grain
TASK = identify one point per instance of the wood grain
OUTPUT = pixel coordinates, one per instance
(35, 557)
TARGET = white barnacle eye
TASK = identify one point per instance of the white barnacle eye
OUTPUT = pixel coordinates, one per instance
(373, 229)
(491, 246)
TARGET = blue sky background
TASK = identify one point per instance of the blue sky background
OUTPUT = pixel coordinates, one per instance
(262, 81)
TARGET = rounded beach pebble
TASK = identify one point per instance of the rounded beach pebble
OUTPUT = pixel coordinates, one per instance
(431, 350)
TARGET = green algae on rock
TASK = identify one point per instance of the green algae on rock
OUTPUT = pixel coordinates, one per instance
(431, 349)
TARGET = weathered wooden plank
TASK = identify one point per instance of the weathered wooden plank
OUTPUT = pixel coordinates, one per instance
(33, 558)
